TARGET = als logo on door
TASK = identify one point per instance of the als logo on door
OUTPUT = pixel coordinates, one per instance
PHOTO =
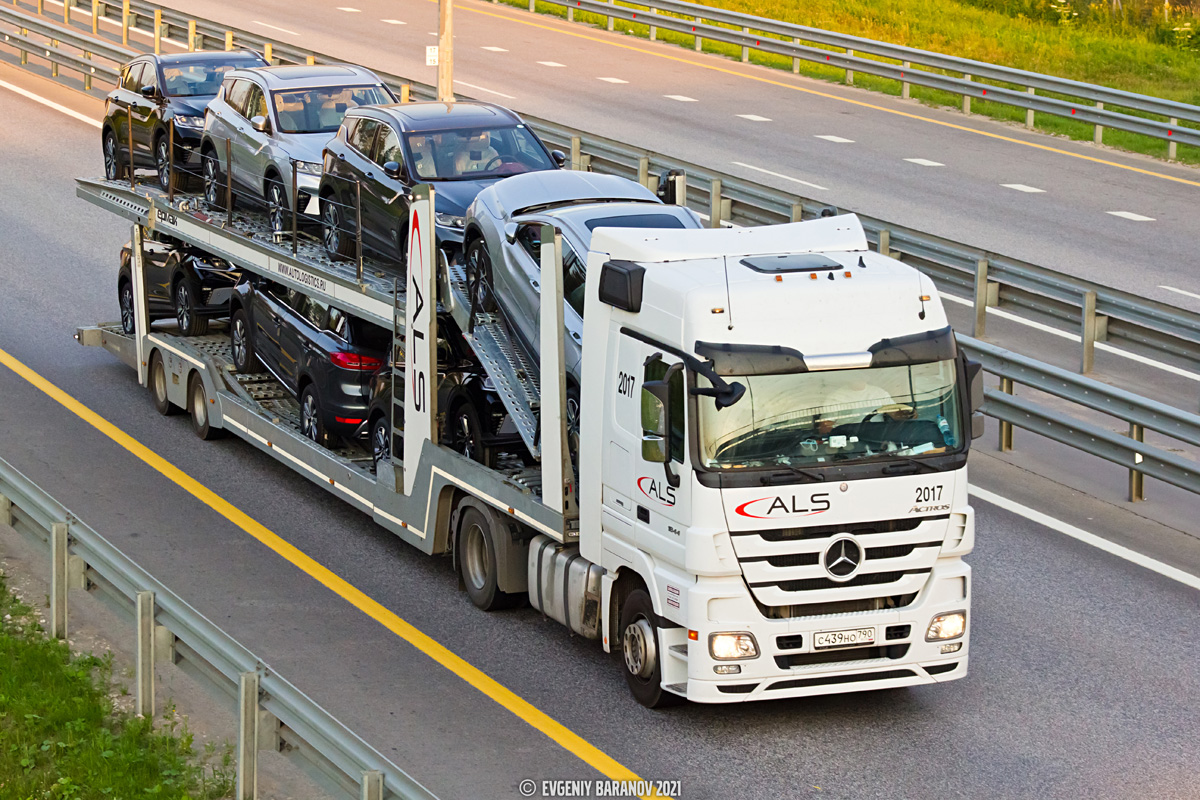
(778, 506)
(657, 490)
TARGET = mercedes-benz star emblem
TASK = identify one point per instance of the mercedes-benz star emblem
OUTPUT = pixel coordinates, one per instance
(842, 558)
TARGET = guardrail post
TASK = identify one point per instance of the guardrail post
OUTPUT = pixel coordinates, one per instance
(5, 511)
(1171, 145)
(191, 35)
(76, 572)
(269, 53)
(24, 53)
(987, 293)
(795, 59)
(54, 64)
(681, 189)
(1029, 111)
(58, 580)
(372, 785)
(653, 28)
(849, 72)
(904, 87)
(531, 7)
(247, 758)
(97, 11)
(644, 170)
(405, 92)
(1088, 313)
(652, 183)
(125, 23)
(797, 212)
(1098, 133)
(229, 40)
(714, 203)
(67, 11)
(1006, 428)
(87, 76)
(570, 12)
(585, 162)
(610, 18)
(699, 42)
(966, 98)
(745, 48)
(1137, 479)
(885, 241)
(575, 145)
(41, 7)
(157, 31)
(310, 61)
(145, 654)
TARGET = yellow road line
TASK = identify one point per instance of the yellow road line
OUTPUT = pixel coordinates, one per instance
(527, 712)
(873, 107)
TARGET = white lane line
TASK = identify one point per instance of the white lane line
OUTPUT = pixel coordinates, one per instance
(1074, 337)
(1180, 291)
(1045, 520)
(551, 64)
(1020, 187)
(683, 98)
(612, 80)
(349, 10)
(393, 21)
(481, 89)
(837, 139)
(1131, 215)
(779, 175)
(70, 112)
(754, 117)
(275, 28)
(924, 162)
(495, 49)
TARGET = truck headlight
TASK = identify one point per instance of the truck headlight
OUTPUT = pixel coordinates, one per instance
(732, 646)
(946, 626)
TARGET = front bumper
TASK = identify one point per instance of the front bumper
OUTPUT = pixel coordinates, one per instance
(789, 666)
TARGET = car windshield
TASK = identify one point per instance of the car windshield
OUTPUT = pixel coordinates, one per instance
(474, 153)
(816, 418)
(201, 78)
(321, 110)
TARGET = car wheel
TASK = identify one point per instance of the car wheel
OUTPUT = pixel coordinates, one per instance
(241, 344)
(479, 278)
(572, 415)
(466, 433)
(214, 181)
(162, 162)
(184, 300)
(337, 244)
(199, 407)
(125, 299)
(475, 551)
(640, 653)
(381, 440)
(277, 204)
(111, 167)
(312, 421)
(158, 386)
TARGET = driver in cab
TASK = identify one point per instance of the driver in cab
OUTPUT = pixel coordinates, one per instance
(855, 397)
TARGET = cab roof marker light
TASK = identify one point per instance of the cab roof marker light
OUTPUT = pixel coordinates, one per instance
(812, 276)
(779, 279)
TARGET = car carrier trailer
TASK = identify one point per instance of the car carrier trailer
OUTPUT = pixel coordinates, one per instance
(717, 581)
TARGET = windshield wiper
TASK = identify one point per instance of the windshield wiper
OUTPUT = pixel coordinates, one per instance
(813, 477)
(893, 469)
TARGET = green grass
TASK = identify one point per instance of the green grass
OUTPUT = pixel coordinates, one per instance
(62, 739)
(1135, 51)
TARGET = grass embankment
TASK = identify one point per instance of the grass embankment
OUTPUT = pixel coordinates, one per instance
(61, 737)
(1134, 50)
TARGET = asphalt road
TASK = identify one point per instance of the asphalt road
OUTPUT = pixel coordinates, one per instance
(1082, 682)
(1031, 196)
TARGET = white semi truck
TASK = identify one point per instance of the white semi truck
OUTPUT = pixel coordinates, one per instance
(772, 486)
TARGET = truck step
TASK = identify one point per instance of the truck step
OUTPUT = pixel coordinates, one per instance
(677, 688)
(679, 650)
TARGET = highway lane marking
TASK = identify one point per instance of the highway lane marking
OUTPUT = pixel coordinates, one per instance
(612, 80)
(779, 175)
(1130, 215)
(834, 139)
(1020, 187)
(70, 112)
(349, 10)
(1180, 291)
(924, 162)
(1074, 337)
(495, 49)
(754, 117)
(827, 95)
(274, 28)
(683, 98)
(554, 64)
(1047, 521)
(481, 89)
(492, 689)
(393, 21)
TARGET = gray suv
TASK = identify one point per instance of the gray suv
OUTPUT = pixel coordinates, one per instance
(273, 117)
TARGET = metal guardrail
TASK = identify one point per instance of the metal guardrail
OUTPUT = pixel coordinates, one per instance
(82, 558)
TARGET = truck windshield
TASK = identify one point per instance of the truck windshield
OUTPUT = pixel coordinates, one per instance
(837, 416)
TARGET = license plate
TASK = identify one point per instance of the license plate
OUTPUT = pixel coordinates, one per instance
(851, 638)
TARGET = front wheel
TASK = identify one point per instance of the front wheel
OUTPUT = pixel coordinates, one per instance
(277, 205)
(125, 299)
(640, 652)
(214, 181)
(184, 301)
(337, 243)
(162, 162)
(479, 278)
(111, 157)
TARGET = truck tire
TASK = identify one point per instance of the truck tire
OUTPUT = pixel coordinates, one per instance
(475, 551)
(640, 652)
(157, 379)
(200, 408)
(183, 300)
(241, 343)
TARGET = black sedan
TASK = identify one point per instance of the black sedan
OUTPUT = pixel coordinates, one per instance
(459, 147)
(181, 282)
(322, 355)
(155, 90)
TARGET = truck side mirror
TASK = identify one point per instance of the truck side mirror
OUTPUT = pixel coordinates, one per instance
(977, 424)
(656, 421)
(974, 373)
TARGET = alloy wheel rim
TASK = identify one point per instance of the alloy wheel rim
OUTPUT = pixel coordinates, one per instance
(275, 203)
(239, 344)
(333, 224)
(210, 180)
(379, 443)
(466, 442)
(475, 557)
(164, 167)
(183, 304)
(308, 418)
(127, 308)
(110, 157)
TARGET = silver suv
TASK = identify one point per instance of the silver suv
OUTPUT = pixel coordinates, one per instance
(273, 117)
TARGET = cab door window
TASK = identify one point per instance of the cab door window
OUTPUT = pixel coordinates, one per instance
(656, 370)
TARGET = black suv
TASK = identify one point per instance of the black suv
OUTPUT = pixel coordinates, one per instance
(155, 90)
(321, 354)
(181, 282)
(458, 147)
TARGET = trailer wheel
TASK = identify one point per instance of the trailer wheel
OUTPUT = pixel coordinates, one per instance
(241, 343)
(158, 386)
(198, 407)
(475, 548)
(640, 652)
(184, 300)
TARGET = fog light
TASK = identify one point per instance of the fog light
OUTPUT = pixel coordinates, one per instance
(732, 646)
(946, 626)
(951, 648)
(727, 669)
